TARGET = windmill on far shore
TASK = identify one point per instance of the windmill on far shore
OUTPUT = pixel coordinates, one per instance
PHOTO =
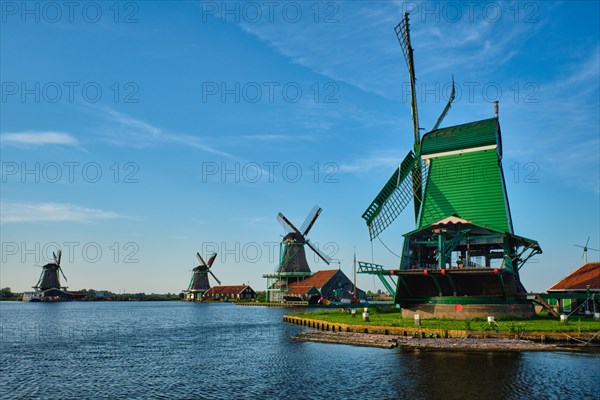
(49, 287)
(293, 256)
(50, 278)
(293, 265)
(585, 250)
(199, 282)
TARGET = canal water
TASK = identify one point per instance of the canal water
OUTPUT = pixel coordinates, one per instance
(174, 350)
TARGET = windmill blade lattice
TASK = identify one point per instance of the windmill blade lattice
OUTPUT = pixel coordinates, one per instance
(200, 259)
(321, 255)
(211, 260)
(310, 220)
(286, 224)
(395, 195)
(213, 275)
(62, 273)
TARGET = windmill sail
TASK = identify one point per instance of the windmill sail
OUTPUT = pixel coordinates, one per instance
(213, 275)
(310, 220)
(211, 260)
(200, 259)
(443, 115)
(286, 224)
(322, 255)
(292, 254)
(393, 197)
(403, 34)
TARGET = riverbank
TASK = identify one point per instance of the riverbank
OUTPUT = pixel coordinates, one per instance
(392, 318)
(579, 333)
(294, 304)
(272, 304)
(454, 344)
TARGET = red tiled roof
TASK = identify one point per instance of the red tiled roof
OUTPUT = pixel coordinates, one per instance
(225, 290)
(587, 274)
(318, 280)
(297, 289)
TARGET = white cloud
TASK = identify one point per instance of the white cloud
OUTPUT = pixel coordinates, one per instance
(11, 212)
(362, 50)
(128, 131)
(370, 163)
(563, 125)
(279, 138)
(38, 138)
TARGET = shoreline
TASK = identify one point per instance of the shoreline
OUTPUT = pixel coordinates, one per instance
(442, 344)
(441, 339)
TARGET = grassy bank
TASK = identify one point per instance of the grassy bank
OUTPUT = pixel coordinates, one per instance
(503, 324)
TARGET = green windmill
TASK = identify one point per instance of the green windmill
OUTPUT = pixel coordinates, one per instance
(463, 257)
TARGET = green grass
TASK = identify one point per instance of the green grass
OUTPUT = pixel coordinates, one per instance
(503, 323)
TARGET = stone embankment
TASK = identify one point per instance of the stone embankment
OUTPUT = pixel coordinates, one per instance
(388, 337)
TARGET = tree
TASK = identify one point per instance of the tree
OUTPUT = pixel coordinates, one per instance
(6, 293)
(261, 296)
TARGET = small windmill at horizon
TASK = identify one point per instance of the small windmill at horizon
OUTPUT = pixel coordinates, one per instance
(585, 249)
(50, 278)
(199, 284)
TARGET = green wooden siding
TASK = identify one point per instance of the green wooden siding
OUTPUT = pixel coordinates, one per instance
(468, 185)
(461, 137)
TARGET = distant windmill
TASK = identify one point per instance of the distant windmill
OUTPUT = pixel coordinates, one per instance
(199, 282)
(293, 256)
(585, 249)
(49, 278)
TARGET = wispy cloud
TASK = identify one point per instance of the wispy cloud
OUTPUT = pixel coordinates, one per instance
(475, 50)
(367, 164)
(12, 212)
(473, 47)
(280, 138)
(125, 130)
(565, 122)
(38, 138)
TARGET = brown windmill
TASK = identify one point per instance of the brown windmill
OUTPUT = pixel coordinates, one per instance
(199, 282)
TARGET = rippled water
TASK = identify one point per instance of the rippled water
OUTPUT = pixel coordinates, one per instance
(223, 351)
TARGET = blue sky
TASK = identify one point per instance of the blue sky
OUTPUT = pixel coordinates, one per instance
(134, 136)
